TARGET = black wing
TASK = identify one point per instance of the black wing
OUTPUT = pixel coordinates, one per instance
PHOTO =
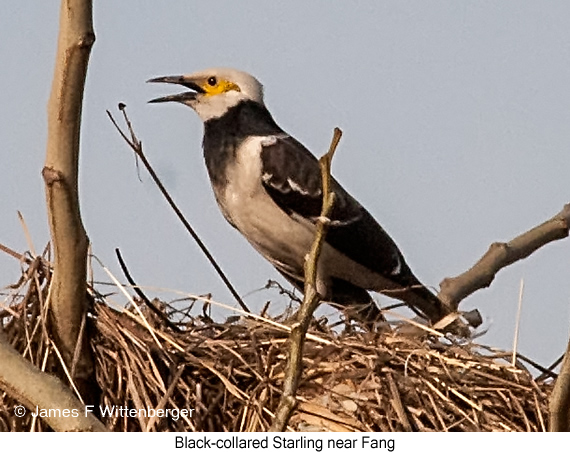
(292, 177)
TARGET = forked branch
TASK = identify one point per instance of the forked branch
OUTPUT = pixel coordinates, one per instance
(500, 255)
(311, 298)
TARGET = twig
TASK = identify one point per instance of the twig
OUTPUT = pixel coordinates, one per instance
(136, 146)
(135, 305)
(517, 324)
(398, 405)
(15, 254)
(549, 371)
(500, 255)
(166, 396)
(560, 398)
(545, 371)
(288, 400)
(27, 234)
(142, 295)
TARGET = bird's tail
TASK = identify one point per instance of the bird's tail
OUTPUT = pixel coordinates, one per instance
(422, 301)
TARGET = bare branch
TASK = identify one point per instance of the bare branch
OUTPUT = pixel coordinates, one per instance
(69, 240)
(288, 400)
(500, 255)
(36, 390)
(136, 145)
(560, 398)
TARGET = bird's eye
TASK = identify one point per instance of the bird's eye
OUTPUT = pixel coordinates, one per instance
(212, 81)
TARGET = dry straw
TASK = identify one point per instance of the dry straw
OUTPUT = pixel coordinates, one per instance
(230, 374)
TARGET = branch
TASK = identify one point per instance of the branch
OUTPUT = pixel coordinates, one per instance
(67, 293)
(35, 389)
(500, 255)
(136, 145)
(311, 299)
(559, 405)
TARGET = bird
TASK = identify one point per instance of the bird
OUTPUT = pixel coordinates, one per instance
(268, 186)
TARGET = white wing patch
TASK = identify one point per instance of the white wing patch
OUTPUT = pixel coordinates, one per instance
(398, 268)
(296, 187)
(271, 140)
(266, 177)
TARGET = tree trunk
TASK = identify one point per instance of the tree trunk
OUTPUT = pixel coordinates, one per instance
(67, 293)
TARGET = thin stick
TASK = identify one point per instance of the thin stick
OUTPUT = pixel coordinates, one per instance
(15, 254)
(163, 316)
(27, 234)
(549, 371)
(517, 324)
(128, 296)
(136, 146)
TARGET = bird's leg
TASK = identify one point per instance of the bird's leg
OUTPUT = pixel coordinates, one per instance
(356, 303)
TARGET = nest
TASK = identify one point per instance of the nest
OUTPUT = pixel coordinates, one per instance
(228, 376)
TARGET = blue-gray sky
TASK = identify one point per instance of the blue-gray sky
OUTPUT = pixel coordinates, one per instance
(456, 120)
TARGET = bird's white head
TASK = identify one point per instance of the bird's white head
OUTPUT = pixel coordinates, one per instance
(214, 91)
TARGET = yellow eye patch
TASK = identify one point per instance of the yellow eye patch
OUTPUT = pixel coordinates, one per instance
(220, 86)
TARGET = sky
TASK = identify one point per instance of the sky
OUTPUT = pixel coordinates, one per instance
(456, 121)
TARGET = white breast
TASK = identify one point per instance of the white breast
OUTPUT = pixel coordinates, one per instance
(245, 203)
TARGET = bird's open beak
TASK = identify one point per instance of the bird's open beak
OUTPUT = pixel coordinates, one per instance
(178, 80)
